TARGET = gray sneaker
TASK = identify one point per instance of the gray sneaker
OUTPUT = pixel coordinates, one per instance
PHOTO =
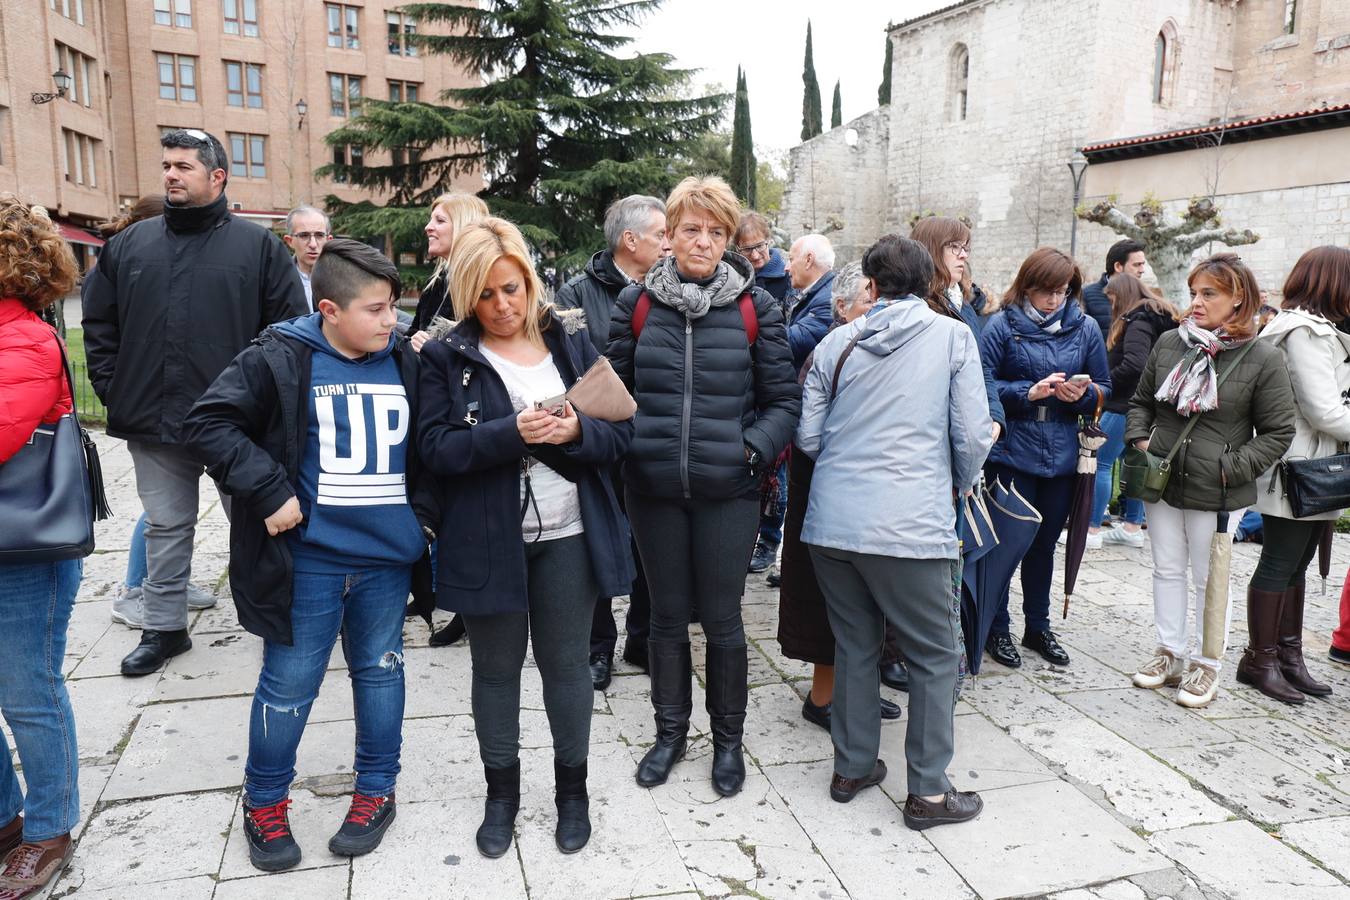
(127, 607)
(197, 598)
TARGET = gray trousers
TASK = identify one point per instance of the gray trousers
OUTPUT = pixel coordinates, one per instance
(862, 593)
(167, 479)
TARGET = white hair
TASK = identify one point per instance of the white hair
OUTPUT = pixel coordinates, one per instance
(818, 246)
(848, 280)
(300, 210)
(631, 213)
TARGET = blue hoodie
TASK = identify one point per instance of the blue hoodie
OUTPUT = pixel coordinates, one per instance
(774, 277)
(353, 468)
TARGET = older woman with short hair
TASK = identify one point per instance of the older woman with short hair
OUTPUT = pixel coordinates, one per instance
(705, 353)
(531, 532)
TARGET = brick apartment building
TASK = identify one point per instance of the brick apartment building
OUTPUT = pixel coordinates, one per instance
(241, 69)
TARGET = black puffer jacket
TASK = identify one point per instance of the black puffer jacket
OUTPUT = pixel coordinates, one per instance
(1097, 305)
(434, 301)
(705, 394)
(170, 304)
(1127, 358)
(595, 291)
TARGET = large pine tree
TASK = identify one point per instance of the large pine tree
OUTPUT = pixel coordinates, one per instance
(884, 91)
(836, 108)
(560, 126)
(811, 110)
(743, 166)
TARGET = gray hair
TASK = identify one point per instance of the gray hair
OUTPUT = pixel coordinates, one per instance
(818, 246)
(847, 281)
(629, 214)
(301, 210)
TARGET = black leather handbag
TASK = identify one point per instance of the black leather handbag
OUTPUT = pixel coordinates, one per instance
(51, 492)
(1315, 486)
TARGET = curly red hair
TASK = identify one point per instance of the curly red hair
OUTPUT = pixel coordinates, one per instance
(36, 264)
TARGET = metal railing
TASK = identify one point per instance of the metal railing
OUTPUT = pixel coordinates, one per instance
(87, 405)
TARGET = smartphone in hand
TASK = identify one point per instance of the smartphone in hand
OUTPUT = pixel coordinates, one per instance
(1080, 379)
(557, 406)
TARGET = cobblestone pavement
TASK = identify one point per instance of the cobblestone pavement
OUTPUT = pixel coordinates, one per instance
(1092, 788)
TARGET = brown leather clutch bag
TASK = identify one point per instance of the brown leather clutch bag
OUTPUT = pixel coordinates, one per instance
(601, 395)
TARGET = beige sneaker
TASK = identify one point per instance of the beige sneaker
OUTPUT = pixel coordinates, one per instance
(1162, 669)
(1198, 687)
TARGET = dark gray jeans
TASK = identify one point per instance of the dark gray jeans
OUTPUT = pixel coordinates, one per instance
(861, 590)
(562, 591)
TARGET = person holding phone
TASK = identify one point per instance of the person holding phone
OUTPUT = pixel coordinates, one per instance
(1048, 361)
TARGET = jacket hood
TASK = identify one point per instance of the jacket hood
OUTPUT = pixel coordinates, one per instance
(1290, 320)
(309, 330)
(776, 267)
(602, 269)
(741, 265)
(1072, 318)
(895, 325)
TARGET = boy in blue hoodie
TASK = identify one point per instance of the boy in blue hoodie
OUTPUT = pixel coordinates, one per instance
(310, 429)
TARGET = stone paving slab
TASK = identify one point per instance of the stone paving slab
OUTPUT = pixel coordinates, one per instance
(1245, 863)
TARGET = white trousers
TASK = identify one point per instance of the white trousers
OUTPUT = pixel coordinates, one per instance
(1181, 538)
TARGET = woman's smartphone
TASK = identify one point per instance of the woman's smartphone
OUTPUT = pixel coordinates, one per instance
(555, 405)
(1080, 379)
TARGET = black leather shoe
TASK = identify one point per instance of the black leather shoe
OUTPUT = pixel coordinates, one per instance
(635, 653)
(452, 632)
(1337, 655)
(764, 556)
(844, 789)
(816, 715)
(954, 807)
(155, 648)
(1000, 647)
(1045, 643)
(895, 675)
(601, 664)
(499, 810)
(890, 710)
(775, 577)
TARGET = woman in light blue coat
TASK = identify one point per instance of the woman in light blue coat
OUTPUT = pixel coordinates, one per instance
(895, 415)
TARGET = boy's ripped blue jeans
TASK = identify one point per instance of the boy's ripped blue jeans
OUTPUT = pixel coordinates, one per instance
(365, 608)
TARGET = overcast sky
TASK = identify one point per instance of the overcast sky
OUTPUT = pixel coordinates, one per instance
(767, 38)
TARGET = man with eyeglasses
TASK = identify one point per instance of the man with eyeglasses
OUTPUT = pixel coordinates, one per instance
(171, 302)
(307, 230)
(754, 241)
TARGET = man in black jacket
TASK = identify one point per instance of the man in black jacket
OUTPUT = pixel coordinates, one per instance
(635, 229)
(1124, 256)
(172, 301)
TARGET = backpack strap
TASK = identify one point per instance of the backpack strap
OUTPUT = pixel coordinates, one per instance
(748, 316)
(640, 310)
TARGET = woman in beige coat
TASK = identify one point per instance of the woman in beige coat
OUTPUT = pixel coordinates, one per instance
(1310, 330)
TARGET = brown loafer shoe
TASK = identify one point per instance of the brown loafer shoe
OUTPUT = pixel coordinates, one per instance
(844, 789)
(11, 836)
(29, 868)
(954, 807)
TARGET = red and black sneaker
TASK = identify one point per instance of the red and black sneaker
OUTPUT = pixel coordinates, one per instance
(367, 821)
(271, 846)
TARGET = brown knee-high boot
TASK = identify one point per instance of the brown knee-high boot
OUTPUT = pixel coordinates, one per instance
(1290, 651)
(1260, 666)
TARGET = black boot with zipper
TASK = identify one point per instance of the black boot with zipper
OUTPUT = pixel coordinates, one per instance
(726, 699)
(672, 702)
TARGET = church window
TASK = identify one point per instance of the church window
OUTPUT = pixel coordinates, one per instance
(959, 93)
(1165, 48)
(1290, 15)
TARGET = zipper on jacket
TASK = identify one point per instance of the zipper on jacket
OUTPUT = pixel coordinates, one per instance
(687, 409)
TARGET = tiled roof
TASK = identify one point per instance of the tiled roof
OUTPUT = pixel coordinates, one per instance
(1237, 130)
(929, 15)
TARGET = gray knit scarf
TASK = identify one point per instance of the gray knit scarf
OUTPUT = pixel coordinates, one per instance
(694, 300)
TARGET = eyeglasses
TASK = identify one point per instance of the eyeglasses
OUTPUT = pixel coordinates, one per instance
(305, 237)
(958, 249)
(761, 247)
(1061, 292)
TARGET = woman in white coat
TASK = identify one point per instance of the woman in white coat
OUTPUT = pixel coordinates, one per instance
(1313, 331)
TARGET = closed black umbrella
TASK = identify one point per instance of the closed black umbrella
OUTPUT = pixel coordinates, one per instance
(1012, 523)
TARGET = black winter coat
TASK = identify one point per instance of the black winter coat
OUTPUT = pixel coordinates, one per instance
(1127, 358)
(595, 292)
(432, 302)
(1097, 305)
(248, 430)
(704, 395)
(171, 302)
(480, 559)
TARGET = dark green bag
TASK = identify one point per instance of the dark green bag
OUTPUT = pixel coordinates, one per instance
(1144, 475)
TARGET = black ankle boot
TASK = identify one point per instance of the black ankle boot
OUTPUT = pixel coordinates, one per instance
(726, 699)
(155, 648)
(499, 811)
(672, 702)
(574, 820)
(452, 632)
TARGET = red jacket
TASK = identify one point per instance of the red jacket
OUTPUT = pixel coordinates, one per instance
(33, 387)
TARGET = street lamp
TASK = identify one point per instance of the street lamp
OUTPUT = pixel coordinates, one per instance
(63, 82)
(1078, 164)
(302, 108)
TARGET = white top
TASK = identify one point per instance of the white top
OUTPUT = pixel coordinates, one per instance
(555, 498)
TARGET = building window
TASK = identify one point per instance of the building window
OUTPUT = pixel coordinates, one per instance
(348, 155)
(177, 77)
(343, 26)
(1290, 15)
(81, 71)
(241, 17)
(71, 9)
(344, 92)
(174, 13)
(400, 91)
(960, 83)
(4, 118)
(401, 26)
(248, 155)
(243, 84)
(1164, 63)
(78, 153)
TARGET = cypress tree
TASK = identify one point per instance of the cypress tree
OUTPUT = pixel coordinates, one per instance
(562, 123)
(836, 108)
(884, 92)
(743, 166)
(811, 110)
